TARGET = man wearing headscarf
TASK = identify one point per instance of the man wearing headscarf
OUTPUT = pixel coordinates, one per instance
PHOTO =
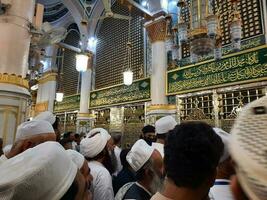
(44, 172)
(95, 151)
(248, 150)
(148, 166)
(163, 126)
(52, 119)
(221, 189)
(28, 135)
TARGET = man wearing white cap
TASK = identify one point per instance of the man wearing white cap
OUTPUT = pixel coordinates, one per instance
(163, 126)
(95, 151)
(148, 165)
(113, 162)
(52, 119)
(45, 173)
(248, 150)
(82, 165)
(28, 135)
(221, 189)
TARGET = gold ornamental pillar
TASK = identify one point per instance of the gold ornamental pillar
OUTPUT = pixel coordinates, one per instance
(85, 120)
(157, 30)
(15, 41)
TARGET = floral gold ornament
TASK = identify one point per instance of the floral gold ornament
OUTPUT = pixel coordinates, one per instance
(14, 80)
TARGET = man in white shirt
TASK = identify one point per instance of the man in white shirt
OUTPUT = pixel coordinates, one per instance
(95, 151)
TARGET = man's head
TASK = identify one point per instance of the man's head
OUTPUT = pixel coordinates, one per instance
(116, 139)
(163, 126)
(82, 165)
(149, 134)
(192, 153)
(66, 143)
(248, 149)
(43, 172)
(31, 133)
(77, 138)
(105, 134)
(148, 165)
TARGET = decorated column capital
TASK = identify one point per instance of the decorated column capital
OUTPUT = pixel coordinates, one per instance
(156, 29)
(48, 76)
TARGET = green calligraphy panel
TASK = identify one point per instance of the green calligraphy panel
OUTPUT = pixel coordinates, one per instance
(121, 94)
(238, 68)
(69, 103)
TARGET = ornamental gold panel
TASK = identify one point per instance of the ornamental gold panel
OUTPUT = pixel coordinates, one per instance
(41, 107)
(14, 80)
(157, 31)
(48, 77)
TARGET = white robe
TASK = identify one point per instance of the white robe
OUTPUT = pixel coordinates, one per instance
(3, 158)
(117, 152)
(102, 182)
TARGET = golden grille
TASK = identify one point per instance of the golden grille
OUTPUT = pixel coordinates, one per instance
(111, 47)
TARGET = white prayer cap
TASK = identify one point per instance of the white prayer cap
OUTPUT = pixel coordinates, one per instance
(102, 131)
(248, 147)
(165, 124)
(139, 154)
(159, 147)
(76, 157)
(33, 128)
(44, 172)
(7, 148)
(91, 147)
(225, 139)
(47, 116)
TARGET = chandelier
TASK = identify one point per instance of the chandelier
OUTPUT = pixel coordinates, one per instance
(203, 32)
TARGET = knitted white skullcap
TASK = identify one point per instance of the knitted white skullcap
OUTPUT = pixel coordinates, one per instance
(7, 148)
(225, 139)
(165, 124)
(33, 128)
(91, 147)
(102, 131)
(76, 157)
(139, 154)
(47, 116)
(248, 147)
(44, 172)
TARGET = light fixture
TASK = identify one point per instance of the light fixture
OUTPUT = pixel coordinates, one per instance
(128, 77)
(144, 3)
(92, 42)
(34, 87)
(81, 62)
(203, 32)
(59, 96)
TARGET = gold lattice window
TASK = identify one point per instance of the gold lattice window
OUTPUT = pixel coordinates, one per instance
(196, 107)
(230, 102)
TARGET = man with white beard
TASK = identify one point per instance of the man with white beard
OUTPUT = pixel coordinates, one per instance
(148, 165)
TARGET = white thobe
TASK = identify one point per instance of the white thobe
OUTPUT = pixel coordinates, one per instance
(221, 190)
(3, 158)
(117, 152)
(102, 182)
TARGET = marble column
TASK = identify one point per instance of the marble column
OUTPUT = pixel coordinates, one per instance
(15, 41)
(85, 120)
(156, 30)
(46, 94)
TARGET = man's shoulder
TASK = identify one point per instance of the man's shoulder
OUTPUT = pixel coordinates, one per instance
(159, 196)
(135, 192)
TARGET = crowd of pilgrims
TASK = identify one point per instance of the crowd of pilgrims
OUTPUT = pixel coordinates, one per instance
(187, 161)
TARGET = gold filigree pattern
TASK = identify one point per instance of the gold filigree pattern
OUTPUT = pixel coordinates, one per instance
(14, 80)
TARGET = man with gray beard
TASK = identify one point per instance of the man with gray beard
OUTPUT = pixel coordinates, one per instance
(148, 164)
